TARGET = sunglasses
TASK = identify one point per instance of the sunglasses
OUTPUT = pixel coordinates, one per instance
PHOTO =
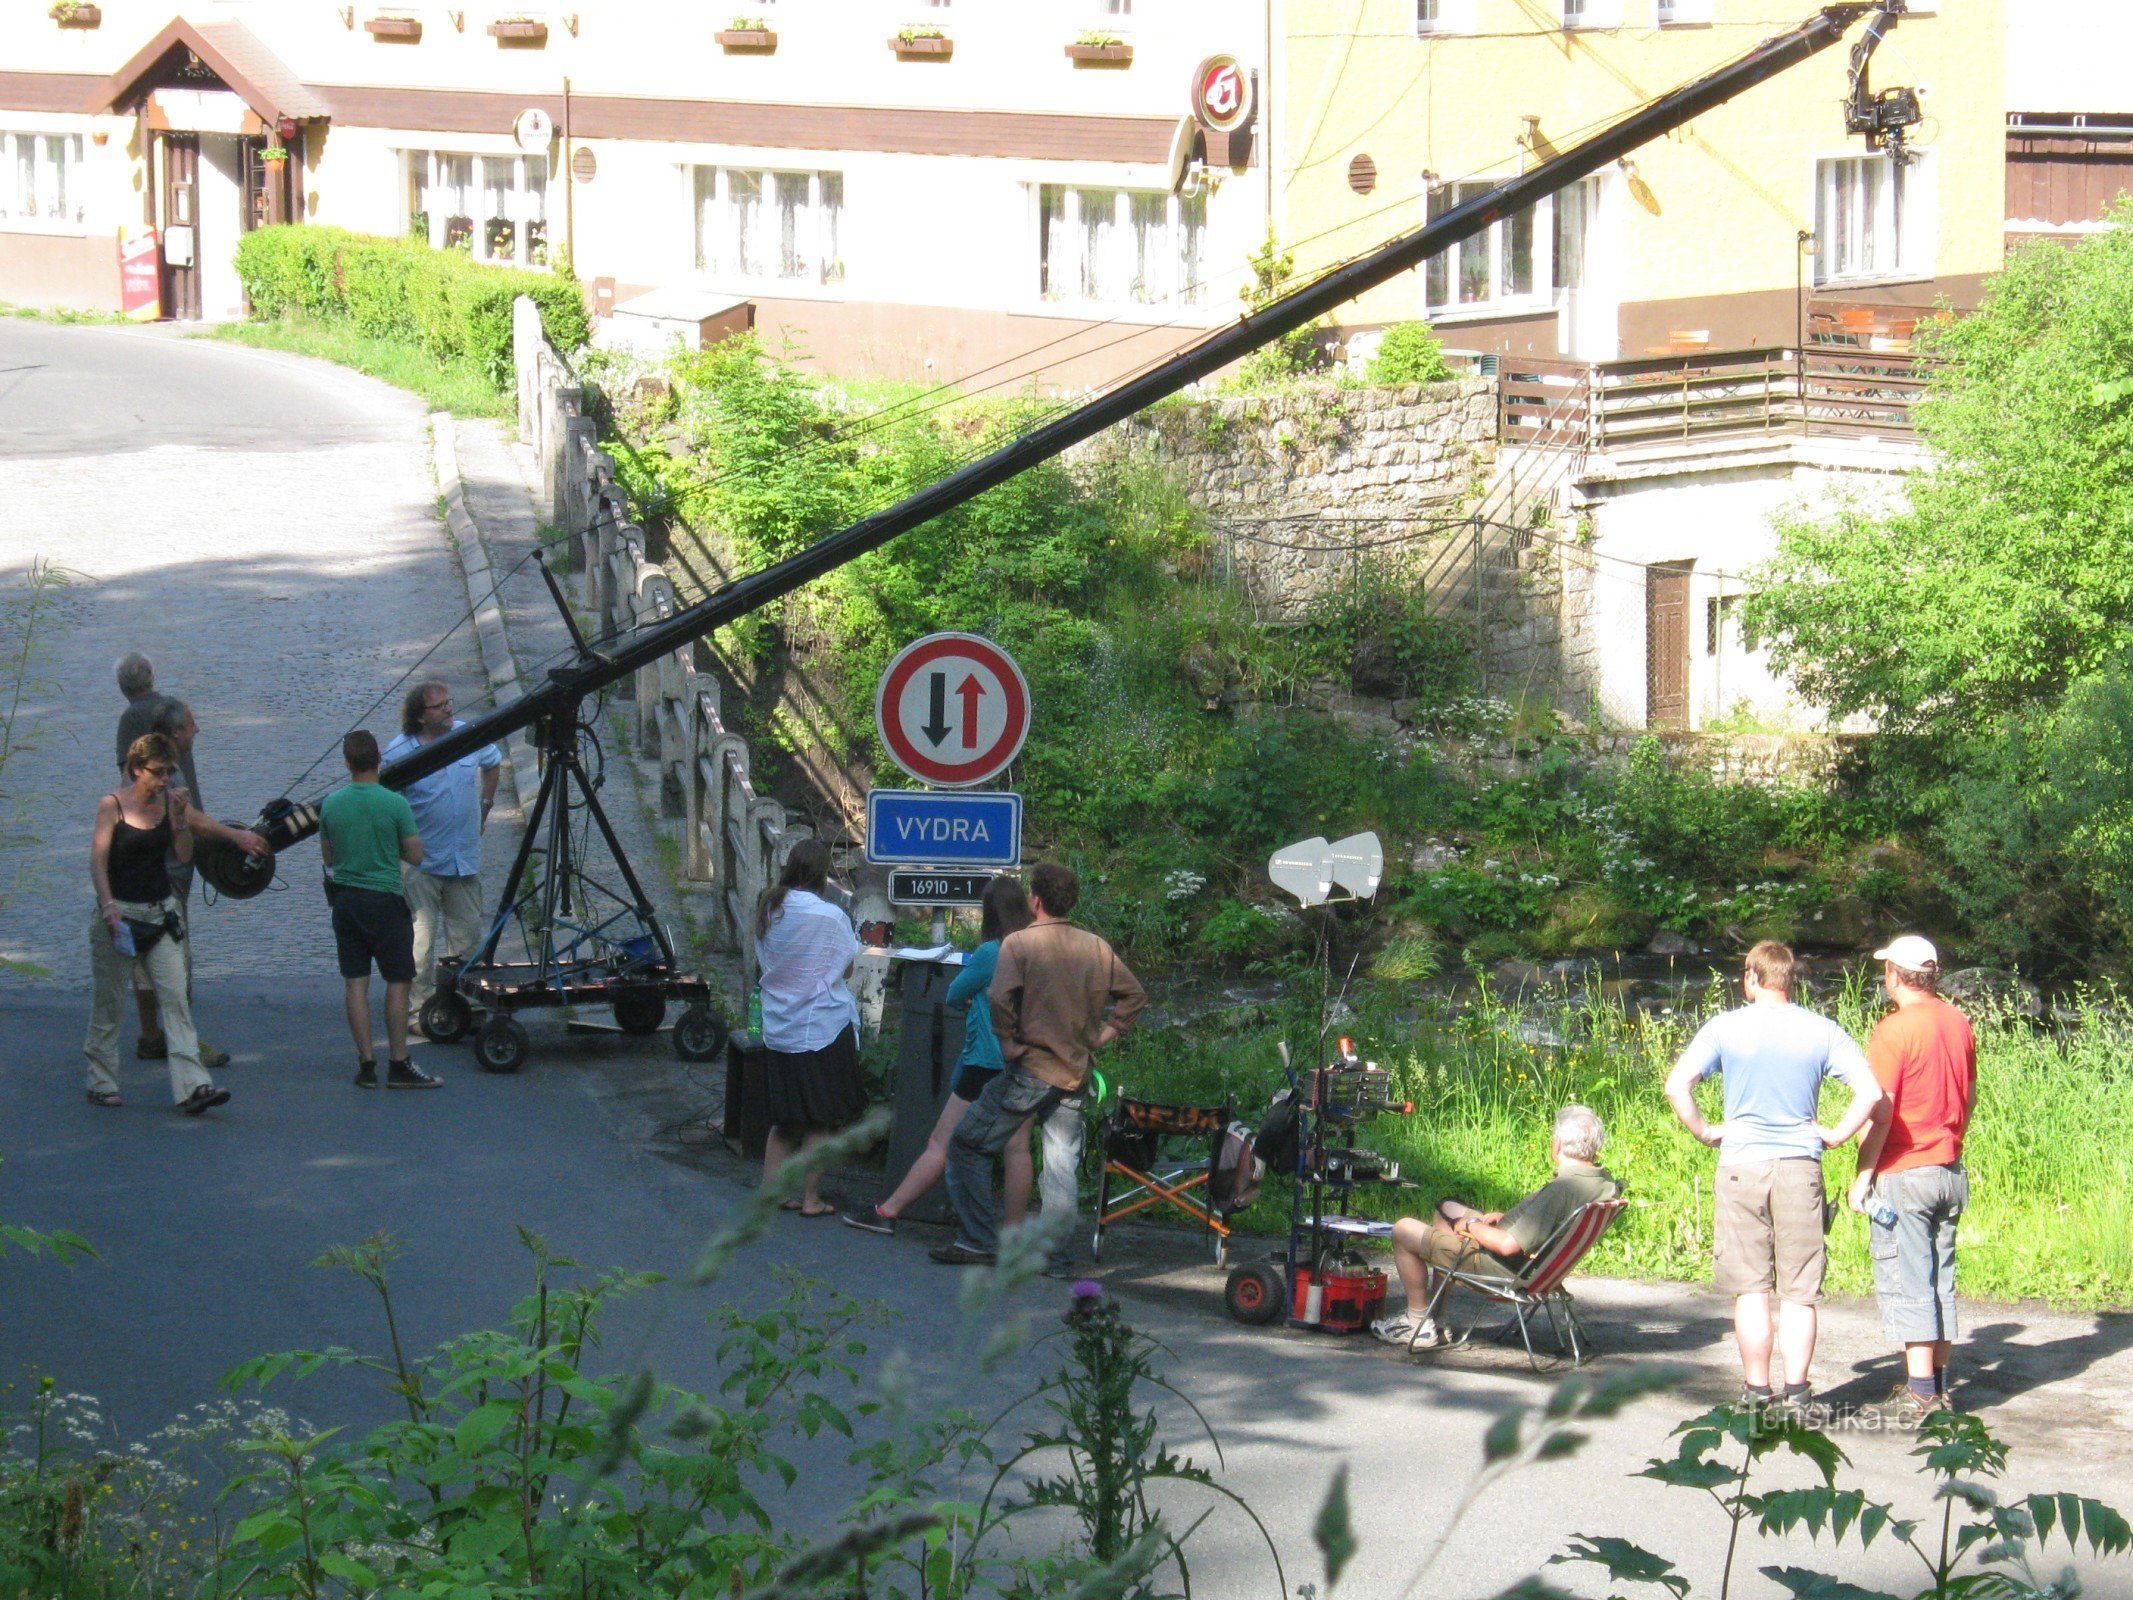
(159, 772)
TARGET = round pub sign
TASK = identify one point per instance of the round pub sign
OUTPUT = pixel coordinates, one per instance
(1221, 94)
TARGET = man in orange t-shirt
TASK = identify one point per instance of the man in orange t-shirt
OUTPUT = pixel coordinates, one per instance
(1911, 1181)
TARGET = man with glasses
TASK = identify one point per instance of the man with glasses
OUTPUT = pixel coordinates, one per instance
(451, 809)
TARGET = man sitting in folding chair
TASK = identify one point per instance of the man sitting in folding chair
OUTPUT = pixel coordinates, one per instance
(1493, 1244)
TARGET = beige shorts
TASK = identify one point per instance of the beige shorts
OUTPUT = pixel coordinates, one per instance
(1770, 1230)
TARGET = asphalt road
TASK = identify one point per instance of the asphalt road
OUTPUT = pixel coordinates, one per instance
(244, 478)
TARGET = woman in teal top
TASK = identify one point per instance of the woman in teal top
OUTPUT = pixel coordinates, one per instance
(1005, 910)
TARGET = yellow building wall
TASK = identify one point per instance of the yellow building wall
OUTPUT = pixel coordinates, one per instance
(1733, 189)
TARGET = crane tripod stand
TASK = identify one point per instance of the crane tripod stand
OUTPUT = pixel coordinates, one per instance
(585, 943)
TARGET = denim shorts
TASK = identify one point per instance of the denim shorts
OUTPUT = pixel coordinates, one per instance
(1914, 1258)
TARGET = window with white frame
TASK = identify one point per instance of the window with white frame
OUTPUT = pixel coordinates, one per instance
(493, 207)
(1444, 16)
(1496, 267)
(1873, 219)
(1684, 13)
(779, 226)
(1592, 13)
(41, 180)
(1120, 246)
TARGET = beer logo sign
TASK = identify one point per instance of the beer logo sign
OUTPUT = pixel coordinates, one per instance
(1221, 94)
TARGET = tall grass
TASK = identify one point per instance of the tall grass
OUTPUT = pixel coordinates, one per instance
(2051, 1210)
(457, 386)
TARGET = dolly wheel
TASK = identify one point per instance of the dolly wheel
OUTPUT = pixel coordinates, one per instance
(446, 1017)
(1253, 1294)
(639, 1010)
(501, 1045)
(699, 1034)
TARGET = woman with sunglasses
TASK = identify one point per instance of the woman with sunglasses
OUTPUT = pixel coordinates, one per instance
(139, 922)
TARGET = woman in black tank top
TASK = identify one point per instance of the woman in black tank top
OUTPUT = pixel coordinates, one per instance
(135, 828)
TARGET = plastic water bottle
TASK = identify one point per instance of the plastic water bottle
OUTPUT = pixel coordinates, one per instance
(755, 1012)
(1883, 1214)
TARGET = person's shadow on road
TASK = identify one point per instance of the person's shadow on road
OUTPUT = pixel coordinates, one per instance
(1992, 1367)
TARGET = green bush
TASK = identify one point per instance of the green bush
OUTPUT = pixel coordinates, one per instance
(1409, 353)
(455, 308)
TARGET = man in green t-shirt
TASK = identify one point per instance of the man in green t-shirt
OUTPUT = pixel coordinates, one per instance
(365, 831)
(1461, 1238)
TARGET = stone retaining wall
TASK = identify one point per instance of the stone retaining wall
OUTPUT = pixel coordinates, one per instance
(1283, 476)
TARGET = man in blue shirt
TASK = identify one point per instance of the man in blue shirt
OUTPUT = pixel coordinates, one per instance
(1772, 1215)
(451, 809)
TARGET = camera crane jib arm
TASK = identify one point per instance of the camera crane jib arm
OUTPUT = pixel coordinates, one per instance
(568, 686)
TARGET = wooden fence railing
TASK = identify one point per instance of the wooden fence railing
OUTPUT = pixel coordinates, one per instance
(735, 840)
(1710, 395)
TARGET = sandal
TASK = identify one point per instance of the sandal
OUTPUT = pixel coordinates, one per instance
(204, 1098)
(800, 1208)
(105, 1097)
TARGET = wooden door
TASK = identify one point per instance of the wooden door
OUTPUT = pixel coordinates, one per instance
(181, 217)
(1666, 646)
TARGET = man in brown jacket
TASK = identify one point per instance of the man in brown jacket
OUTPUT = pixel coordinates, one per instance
(1059, 995)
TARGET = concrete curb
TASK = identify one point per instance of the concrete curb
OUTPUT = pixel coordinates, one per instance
(489, 632)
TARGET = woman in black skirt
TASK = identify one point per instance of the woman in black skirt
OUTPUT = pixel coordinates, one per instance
(804, 949)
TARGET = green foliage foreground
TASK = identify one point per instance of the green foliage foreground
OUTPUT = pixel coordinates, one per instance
(2051, 1209)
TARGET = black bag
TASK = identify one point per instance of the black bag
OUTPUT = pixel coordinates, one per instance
(146, 934)
(1276, 1145)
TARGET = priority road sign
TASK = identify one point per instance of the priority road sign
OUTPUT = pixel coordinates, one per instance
(920, 828)
(953, 709)
(923, 886)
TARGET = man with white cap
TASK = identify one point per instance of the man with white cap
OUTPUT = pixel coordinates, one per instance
(1911, 1182)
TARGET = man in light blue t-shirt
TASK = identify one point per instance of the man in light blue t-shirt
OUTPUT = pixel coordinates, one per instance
(1770, 1203)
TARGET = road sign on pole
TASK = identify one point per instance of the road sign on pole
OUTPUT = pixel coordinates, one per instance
(919, 828)
(953, 709)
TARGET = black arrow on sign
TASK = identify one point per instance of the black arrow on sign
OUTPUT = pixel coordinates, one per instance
(935, 727)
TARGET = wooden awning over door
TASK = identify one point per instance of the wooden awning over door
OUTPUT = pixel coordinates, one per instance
(213, 56)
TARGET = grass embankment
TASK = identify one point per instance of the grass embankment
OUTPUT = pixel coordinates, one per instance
(2050, 1217)
(459, 387)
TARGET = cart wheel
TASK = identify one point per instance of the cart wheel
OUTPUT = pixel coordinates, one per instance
(1096, 1246)
(699, 1034)
(501, 1045)
(446, 1017)
(639, 1010)
(1253, 1294)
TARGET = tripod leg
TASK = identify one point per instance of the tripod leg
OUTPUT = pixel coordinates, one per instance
(645, 913)
(543, 797)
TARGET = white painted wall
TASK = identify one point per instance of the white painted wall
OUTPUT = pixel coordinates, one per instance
(221, 202)
(1717, 513)
(2069, 55)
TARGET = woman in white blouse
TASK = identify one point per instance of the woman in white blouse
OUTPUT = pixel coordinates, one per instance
(804, 949)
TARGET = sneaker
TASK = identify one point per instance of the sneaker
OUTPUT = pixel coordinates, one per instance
(366, 1075)
(871, 1220)
(960, 1254)
(406, 1075)
(1803, 1409)
(1407, 1330)
(212, 1059)
(1903, 1409)
(156, 1049)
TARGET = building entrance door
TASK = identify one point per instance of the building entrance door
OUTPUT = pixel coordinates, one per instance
(1666, 646)
(181, 226)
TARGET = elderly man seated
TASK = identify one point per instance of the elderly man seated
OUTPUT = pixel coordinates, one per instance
(1494, 1242)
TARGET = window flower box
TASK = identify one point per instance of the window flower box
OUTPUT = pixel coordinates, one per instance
(911, 45)
(746, 41)
(519, 32)
(76, 14)
(1100, 53)
(395, 29)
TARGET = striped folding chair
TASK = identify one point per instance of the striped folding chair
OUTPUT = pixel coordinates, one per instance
(1538, 1289)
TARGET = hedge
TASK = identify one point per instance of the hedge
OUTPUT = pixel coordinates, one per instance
(442, 300)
